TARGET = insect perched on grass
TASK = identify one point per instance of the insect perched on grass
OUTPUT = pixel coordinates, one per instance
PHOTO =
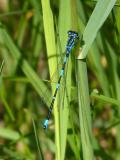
(72, 39)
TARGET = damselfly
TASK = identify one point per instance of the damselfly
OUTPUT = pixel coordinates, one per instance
(72, 39)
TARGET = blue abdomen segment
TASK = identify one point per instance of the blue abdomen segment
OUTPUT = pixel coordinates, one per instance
(53, 97)
(65, 59)
(45, 124)
(62, 72)
(58, 85)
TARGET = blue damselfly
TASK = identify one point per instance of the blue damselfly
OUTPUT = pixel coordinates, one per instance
(72, 39)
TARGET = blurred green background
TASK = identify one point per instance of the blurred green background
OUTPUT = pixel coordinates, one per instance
(33, 36)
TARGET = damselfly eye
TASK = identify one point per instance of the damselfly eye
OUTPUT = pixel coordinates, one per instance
(73, 34)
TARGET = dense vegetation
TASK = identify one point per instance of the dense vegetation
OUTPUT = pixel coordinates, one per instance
(85, 123)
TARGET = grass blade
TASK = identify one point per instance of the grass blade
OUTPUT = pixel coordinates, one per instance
(9, 134)
(39, 86)
(84, 111)
(1, 67)
(105, 99)
(98, 17)
(37, 141)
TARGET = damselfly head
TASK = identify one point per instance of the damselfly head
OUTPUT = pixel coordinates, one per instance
(73, 34)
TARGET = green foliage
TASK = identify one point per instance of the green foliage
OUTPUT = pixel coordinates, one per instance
(33, 37)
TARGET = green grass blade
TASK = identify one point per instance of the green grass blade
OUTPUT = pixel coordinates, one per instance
(94, 57)
(65, 24)
(6, 105)
(9, 134)
(39, 86)
(51, 50)
(1, 67)
(1, 77)
(37, 141)
(98, 17)
(105, 99)
(84, 111)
